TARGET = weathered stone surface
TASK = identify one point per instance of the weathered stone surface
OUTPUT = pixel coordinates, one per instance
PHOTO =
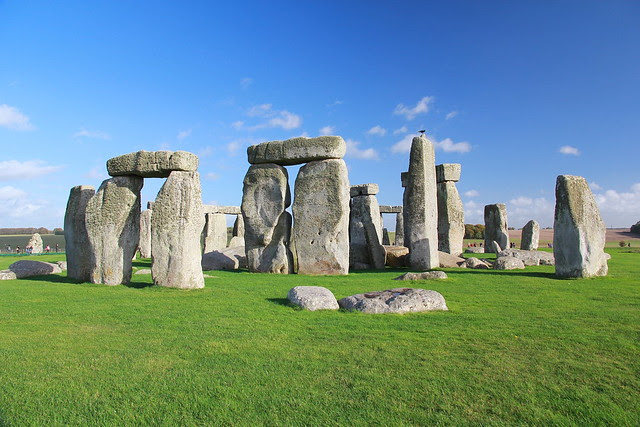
(62, 265)
(299, 150)
(397, 256)
(450, 261)
(385, 237)
(365, 250)
(492, 248)
(215, 232)
(227, 210)
(231, 258)
(152, 164)
(530, 237)
(144, 246)
(35, 243)
(28, 268)
(450, 218)
(238, 227)
(7, 275)
(321, 211)
(578, 230)
(399, 241)
(77, 247)
(364, 190)
(404, 178)
(386, 209)
(508, 263)
(495, 225)
(176, 227)
(420, 209)
(236, 241)
(265, 196)
(476, 263)
(448, 172)
(398, 300)
(474, 250)
(113, 227)
(530, 257)
(312, 298)
(426, 275)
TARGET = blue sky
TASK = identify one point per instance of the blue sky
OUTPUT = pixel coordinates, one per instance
(517, 92)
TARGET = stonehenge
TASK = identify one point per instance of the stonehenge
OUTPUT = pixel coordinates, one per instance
(578, 230)
(75, 233)
(495, 227)
(215, 231)
(530, 236)
(144, 246)
(365, 249)
(152, 164)
(450, 209)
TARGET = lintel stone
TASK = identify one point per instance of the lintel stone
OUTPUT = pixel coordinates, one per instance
(364, 190)
(297, 151)
(152, 164)
(448, 172)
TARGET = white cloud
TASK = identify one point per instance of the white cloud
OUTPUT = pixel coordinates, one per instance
(451, 115)
(14, 119)
(212, 176)
(594, 186)
(522, 209)
(333, 104)
(13, 169)
(274, 118)
(246, 82)
(620, 209)
(327, 130)
(404, 145)
(15, 203)
(285, 120)
(569, 150)
(377, 130)
(446, 145)
(403, 129)
(259, 110)
(354, 151)
(422, 107)
(472, 193)
(237, 124)
(97, 134)
(233, 147)
(473, 212)
(183, 134)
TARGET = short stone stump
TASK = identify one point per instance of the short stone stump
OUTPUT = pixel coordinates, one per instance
(312, 298)
(426, 275)
(398, 300)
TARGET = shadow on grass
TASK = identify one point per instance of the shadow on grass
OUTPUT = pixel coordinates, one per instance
(138, 285)
(54, 278)
(280, 301)
(520, 273)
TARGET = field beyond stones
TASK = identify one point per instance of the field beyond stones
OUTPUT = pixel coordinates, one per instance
(516, 347)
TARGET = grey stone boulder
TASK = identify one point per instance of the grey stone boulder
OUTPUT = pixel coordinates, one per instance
(530, 238)
(492, 248)
(312, 298)
(495, 225)
(396, 256)
(474, 250)
(7, 275)
(152, 164)
(113, 228)
(426, 275)
(476, 264)
(296, 151)
(231, 258)
(176, 227)
(578, 230)
(321, 211)
(236, 241)
(398, 300)
(529, 257)
(35, 242)
(450, 261)
(78, 251)
(508, 263)
(28, 268)
(364, 233)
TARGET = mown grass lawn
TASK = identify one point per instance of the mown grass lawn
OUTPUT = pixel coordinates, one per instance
(516, 347)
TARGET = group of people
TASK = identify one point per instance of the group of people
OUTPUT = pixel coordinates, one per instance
(29, 249)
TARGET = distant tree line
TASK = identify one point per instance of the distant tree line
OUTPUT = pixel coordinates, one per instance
(30, 230)
(473, 231)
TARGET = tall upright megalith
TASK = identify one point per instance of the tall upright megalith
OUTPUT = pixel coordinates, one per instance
(365, 250)
(578, 230)
(421, 207)
(75, 233)
(495, 226)
(321, 213)
(145, 233)
(113, 229)
(450, 209)
(215, 232)
(267, 225)
(530, 237)
(176, 227)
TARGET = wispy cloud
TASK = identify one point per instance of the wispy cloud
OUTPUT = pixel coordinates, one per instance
(522, 209)
(184, 134)
(569, 150)
(273, 118)
(377, 130)
(620, 208)
(594, 186)
(96, 134)
(422, 107)
(471, 193)
(238, 124)
(246, 82)
(447, 145)
(327, 130)
(335, 103)
(403, 129)
(14, 169)
(205, 151)
(354, 151)
(15, 203)
(451, 115)
(212, 176)
(14, 119)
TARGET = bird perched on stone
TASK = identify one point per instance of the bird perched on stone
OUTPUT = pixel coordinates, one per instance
(422, 132)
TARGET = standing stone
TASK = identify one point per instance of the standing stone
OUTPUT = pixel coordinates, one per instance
(267, 226)
(321, 212)
(495, 226)
(365, 250)
(176, 227)
(145, 233)
(75, 233)
(237, 235)
(215, 232)
(399, 229)
(113, 227)
(530, 236)
(421, 209)
(578, 230)
(450, 219)
(385, 237)
(35, 242)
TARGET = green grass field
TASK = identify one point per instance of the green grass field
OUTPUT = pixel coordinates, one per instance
(516, 347)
